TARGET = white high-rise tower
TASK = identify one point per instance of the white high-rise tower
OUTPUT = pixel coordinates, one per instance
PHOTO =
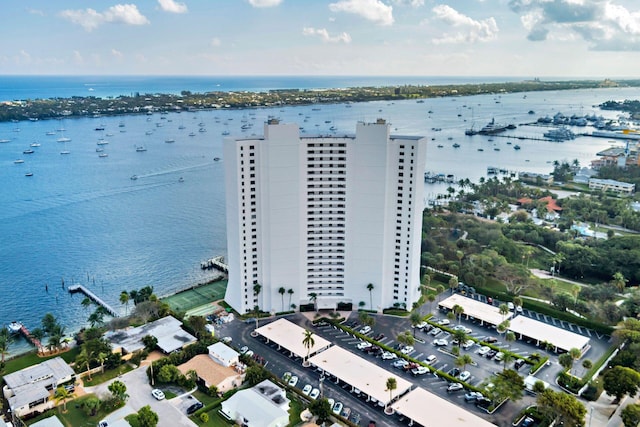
(324, 218)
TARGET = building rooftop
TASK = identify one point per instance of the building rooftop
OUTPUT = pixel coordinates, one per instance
(481, 311)
(560, 338)
(260, 405)
(289, 335)
(367, 377)
(52, 421)
(211, 372)
(168, 331)
(222, 353)
(440, 411)
(49, 371)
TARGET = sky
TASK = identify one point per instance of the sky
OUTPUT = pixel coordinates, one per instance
(529, 38)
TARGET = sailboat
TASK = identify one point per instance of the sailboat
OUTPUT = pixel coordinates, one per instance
(63, 138)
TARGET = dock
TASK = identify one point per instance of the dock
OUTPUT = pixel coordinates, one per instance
(33, 340)
(217, 263)
(93, 297)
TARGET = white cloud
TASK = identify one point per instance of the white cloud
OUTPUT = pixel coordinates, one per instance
(412, 3)
(264, 3)
(78, 58)
(35, 11)
(604, 25)
(116, 53)
(91, 19)
(325, 37)
(172, 6)
(372, 10)
(469, 30)
(215, 42)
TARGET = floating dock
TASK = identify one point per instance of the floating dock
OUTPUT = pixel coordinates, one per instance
(217, 263)
(93, 297)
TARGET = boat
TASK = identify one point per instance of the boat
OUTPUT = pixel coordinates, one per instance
(226, 132)
(4, 141)
(99, 150)
(181, 179)
(101, 127)
(141, 149)
(202, 130)
(492, 170)
(35, 144)
(192, 134)
(64, 139)
(496, 149)
(18, 161)
(492, 127)
(456, 145)
(440, 146)
(170, 140)
(480, 149)
(470, 132)
(134, 177)
(182, 127)
(215, 159)
(516, 147)
(103, 155)
(559, 134)
(28, 151)
(51, 132)
(28, 174)
(102, 142)
(14, 327)
(65, 152)
(333, 128)
(149, 132)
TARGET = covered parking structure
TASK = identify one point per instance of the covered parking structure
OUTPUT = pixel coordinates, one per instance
(359, 373)
(290, 336)
(561, 339)
(485, 313)
(427, 409)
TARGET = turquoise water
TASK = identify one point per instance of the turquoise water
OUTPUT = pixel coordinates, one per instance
(80, 218)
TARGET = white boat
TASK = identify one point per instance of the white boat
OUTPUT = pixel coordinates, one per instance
(140, 149)
(14, 327)
(559, 134)
(65, 152)
(103, 155)
(170, 140)
(3, 141)
(64, 139)
(35, 144)
(18, 161)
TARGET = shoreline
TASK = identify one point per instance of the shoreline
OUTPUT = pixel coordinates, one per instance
(95, 107)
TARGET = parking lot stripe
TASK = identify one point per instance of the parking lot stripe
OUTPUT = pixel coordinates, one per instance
(588, 332)
(554, 321)
(418, 356)
(570, 326)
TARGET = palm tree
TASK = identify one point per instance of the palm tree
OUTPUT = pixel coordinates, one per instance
(575, 353)
(124, 299)
(504, 310)
(62, 394)
(370, 289)
(458, 310)
(509, 337)
(503, 327)
(431, 298)
(86, 303)
(506, 359)
(453, 283)
(392, 384)
(405, 338)
(5, 340)
(256, 291)
(558, 259)
(308, 342)
(575, 291)
(84, 358)
(415, 317)
(101, 358)
(290, 292)
(313, 297)
(463, 361)
(619, 281)
(281, 291)
(460, 336)
(439, 291)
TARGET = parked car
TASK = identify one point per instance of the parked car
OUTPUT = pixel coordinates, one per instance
(527, 422)
(499, 356)
(518, 364)
(249, 353)
(465, 375)
(441, 342)
(226, 340)
(462, 328)
(307, 389)
(510, 305)
(468, 344)
(193, 408)
(472, 396)
(431, 359)
(378, 337)
(400, 363)
(337, 408)
(454, 387)
(490, 340)
(491, 353)
(365, 330)
(244, 349)
(103, 423)
(363, 345)
(314, 393)
(444, 322)
(483, 402)
(518, 309)
(454, 372)
(406, 350)
(421, 325)
(435, 331)
(293, 381)
(420, 370)
(484, 350)
(157, 393)
(427, 328)
(387, 355)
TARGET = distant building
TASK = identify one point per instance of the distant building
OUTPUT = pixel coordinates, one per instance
(30, 389)
(168, 331)
(611, 185)
(220, 368)
(536, 178)
(325, 216)
(264, 405)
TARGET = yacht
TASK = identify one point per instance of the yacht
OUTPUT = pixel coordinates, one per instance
(18, 161)
(492, 127)
(28, 151)
(559, 134)
(14, 327)
(141, 149)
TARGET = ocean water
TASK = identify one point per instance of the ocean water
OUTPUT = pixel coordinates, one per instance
(81, 218)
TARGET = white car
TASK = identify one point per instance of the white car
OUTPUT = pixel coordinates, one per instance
(435, 331)
(462, 328)
(454, 387)
(363, 344)
(510, 305)
(226, 340)
(468, 344)
(444, 322)
(293, 381)
(158, 394)
(431, 360)
(420, 370)
(307, 389)
(406, 350)
(421, 325)
(400, 363)
(499, 356)
(365, 330)
(387, 355)
(331, 402)
(518, 309)
(314, 393)
(337, 408)
(484, 350)
(249, 353)
(244, 349)
(464, 375)
(441, 342)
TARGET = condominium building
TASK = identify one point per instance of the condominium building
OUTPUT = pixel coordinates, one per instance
(323, 219)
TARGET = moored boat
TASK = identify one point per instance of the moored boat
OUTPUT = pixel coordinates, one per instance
(14, 327)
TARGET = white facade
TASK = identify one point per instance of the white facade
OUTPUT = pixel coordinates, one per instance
(324, 215)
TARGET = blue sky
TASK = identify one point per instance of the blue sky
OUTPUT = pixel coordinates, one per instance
(531, 38)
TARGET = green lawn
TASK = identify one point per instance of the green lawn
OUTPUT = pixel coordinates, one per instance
(31, 359)
(107, 375)
(75, 416)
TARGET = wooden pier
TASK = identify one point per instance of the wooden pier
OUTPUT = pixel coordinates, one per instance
(217, 263)
(36, 342)
(93, 297)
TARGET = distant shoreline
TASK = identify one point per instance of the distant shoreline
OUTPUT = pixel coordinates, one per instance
(91, 106)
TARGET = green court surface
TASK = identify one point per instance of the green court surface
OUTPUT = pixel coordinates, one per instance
(201, 296)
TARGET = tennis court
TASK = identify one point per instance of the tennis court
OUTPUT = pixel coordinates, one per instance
(196, 297)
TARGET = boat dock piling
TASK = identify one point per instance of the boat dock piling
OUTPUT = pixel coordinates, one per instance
(24, 331)
(217, 263)
(93, 297)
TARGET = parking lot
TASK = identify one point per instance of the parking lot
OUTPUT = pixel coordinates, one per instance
(385, 329)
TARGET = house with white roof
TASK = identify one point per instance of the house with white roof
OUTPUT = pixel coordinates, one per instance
(264, 405)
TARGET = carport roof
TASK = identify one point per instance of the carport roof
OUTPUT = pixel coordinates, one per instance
(290, 336)
(481, 311)
(560, 338)
(440, 411)
(359, 373)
